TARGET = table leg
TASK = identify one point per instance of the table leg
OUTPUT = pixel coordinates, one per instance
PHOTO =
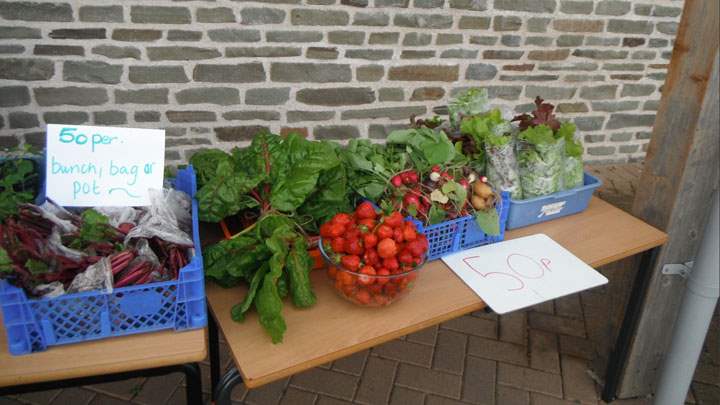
(214, 353)
(226, 385)
(619, 353)
(193, 383)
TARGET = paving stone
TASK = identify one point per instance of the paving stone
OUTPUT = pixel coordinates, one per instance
(405, 351)
(577, 384)
(558, 324)
(479, 380)
(377, 381)
(540, 399)
(512, 328)
(294, 396)
(512, 396)
(569, 306)
(125, 389)
(529, 379)
(497, 350)
(405, 396)
(326, 382)
(438, 400)
(544, 351)
(450, 352)
(426, 336)
(578, 347)
(353, 364)
(39, 397)
(323, 400)
(102, 399)
(472, 325)
(158, 390)
(267, 394)
(427, 380)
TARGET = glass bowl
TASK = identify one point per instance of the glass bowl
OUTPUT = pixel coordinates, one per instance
(369, 290)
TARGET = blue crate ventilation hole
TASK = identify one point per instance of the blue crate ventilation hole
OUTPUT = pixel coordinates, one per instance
(32, 325)
(462, 233)
(552, 206)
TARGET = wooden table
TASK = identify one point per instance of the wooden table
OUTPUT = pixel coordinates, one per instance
(106, 360)
(335, 328)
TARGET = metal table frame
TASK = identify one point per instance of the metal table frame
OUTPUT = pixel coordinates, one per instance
(193, 389)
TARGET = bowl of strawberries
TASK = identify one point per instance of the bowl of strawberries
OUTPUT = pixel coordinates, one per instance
(373, 259)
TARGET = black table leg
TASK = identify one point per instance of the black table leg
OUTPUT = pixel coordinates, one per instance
(191, 371)
(193, 382)
(214, 354)
(619, 352)
(226, 385)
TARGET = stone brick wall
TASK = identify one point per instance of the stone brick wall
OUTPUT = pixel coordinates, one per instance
(215, 73)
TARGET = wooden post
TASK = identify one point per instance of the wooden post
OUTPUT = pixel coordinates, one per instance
(674, 194)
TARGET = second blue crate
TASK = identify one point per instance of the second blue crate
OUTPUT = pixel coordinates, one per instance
(463, 233)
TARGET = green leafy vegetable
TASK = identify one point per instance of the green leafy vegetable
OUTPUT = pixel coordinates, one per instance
(472, 102)
(95, 229)
(6, 264)
(238, 310)
(36, 267)
(488, 221)
(427, 147)
(17, 177)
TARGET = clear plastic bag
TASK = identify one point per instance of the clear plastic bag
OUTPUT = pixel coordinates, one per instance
(573, 175)
(119, 215)
(51, 290)
(59, 216)
(96, 277)
(502, 168)
(168, 217)
(541, 167)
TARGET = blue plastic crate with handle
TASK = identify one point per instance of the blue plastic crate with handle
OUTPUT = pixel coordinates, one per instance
(552, 206)
(33, 325)
(462, 233)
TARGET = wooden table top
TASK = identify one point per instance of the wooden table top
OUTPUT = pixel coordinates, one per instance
(335, 328)
(127, 353)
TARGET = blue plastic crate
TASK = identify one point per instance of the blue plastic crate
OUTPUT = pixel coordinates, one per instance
(547, 207)
(32, 325)
(462, 233)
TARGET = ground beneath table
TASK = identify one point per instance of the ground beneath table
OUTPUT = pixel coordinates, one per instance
(544, 355)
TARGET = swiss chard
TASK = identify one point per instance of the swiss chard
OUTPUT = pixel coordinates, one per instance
(287, 185)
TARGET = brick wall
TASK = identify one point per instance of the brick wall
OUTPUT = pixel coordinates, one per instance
(215, 73)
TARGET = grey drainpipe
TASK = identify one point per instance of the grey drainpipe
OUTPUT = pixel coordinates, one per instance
(696, 311)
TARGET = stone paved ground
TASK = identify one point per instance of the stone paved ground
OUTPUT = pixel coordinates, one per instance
(539, 356)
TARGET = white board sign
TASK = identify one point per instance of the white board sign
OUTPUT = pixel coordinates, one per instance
(103, 166)
(522, 272)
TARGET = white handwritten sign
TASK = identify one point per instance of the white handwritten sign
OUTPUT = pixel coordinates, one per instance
(103, 166)
(522, 272)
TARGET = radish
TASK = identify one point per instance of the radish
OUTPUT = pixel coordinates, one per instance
(412, 177)
(411, 199)
(396, 180)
